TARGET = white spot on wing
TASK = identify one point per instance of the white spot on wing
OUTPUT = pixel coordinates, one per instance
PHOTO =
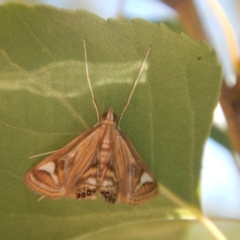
(50, 168)
(91, 181)
(107, 183)
(145, 178)
(44, 186)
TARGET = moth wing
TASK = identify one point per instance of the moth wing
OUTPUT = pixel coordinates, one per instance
(110, 185)
(138, 184)
(62, 172)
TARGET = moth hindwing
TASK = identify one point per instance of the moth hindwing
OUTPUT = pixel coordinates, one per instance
(101, 161)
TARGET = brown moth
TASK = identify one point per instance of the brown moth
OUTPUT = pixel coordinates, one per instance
(100, 161)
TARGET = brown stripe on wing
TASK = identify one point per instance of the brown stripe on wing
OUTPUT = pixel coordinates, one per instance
(139, 183)
(109, 185)
(52, 176)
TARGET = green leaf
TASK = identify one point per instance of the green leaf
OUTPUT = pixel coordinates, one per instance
(45, 102)
(155, 230)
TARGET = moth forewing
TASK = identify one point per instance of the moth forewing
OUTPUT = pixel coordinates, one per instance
(101, 159)
(54, 176)
(140, 185)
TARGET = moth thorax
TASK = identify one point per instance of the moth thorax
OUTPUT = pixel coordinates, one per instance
(105, 148)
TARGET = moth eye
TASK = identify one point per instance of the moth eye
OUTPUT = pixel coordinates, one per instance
(89, 192)
(102, 192)
(106, 194)
(78, 195)
(104, 116)
(115, 117)
(83, 194)
(93, 190)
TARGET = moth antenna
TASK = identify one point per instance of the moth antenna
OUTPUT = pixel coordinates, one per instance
(89, 82)
(134, 86)
(42, 154)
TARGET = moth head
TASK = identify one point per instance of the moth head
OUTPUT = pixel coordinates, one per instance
(109, 116)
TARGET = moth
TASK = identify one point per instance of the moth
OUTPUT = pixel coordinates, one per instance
(101, 161)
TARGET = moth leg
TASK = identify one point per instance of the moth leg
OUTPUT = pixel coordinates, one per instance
(41, 198)
(42, 154)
